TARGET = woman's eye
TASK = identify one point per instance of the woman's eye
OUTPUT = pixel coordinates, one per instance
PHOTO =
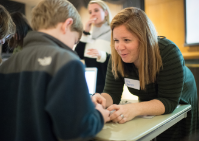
(126, 40)
(96, 10)
(116, 41)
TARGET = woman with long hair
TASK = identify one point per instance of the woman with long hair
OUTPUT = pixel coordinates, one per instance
(153, 68)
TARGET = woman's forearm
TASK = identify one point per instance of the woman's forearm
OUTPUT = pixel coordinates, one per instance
(109, 100)
(153, 107)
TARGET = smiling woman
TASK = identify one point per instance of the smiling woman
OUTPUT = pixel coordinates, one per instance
(152, 67)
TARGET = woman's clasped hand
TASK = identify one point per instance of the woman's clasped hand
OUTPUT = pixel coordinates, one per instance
(118, 113)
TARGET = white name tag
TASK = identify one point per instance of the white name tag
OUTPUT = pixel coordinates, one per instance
(132, 83)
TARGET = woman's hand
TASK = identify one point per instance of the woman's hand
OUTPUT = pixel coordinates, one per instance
(94, 53)
(122, 113)
(88, 24)
(98, 99)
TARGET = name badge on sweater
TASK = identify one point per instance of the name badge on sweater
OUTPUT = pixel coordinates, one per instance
(132, 83)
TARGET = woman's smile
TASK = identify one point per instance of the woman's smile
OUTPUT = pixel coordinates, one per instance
(123, 55)
(126, 44)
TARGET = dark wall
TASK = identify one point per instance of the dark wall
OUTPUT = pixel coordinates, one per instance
(12, 6)
(134, 3)
(193, 65)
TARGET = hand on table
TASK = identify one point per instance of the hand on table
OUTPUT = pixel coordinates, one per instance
(122, 113)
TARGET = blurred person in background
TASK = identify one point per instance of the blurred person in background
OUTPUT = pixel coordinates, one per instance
(7, 26)
(22, 28)
(94, 46)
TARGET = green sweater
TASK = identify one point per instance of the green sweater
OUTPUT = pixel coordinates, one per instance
(175, 83)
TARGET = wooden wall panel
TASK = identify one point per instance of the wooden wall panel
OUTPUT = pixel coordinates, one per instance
(168, 18)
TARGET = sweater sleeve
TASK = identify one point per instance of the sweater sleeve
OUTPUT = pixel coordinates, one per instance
(69, 105)
(170, 79)
(114, 87)
(103, 57)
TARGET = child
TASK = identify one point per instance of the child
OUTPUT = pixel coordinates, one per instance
(44, 95)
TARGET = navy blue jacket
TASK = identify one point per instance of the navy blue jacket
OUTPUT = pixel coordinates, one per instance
(44, 95)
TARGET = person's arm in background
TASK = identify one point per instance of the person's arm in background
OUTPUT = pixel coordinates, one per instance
(80, 48)
(68, 104)
(102, 56)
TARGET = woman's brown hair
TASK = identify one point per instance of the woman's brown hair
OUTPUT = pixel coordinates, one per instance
(22, 28)
(150, 61)
(7, 26)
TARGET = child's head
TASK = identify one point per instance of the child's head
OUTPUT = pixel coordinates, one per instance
(49, 13)
(7, 27)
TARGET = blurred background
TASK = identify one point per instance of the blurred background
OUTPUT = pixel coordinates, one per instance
(168, 16)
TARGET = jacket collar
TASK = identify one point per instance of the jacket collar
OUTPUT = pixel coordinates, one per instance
(34, 37)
